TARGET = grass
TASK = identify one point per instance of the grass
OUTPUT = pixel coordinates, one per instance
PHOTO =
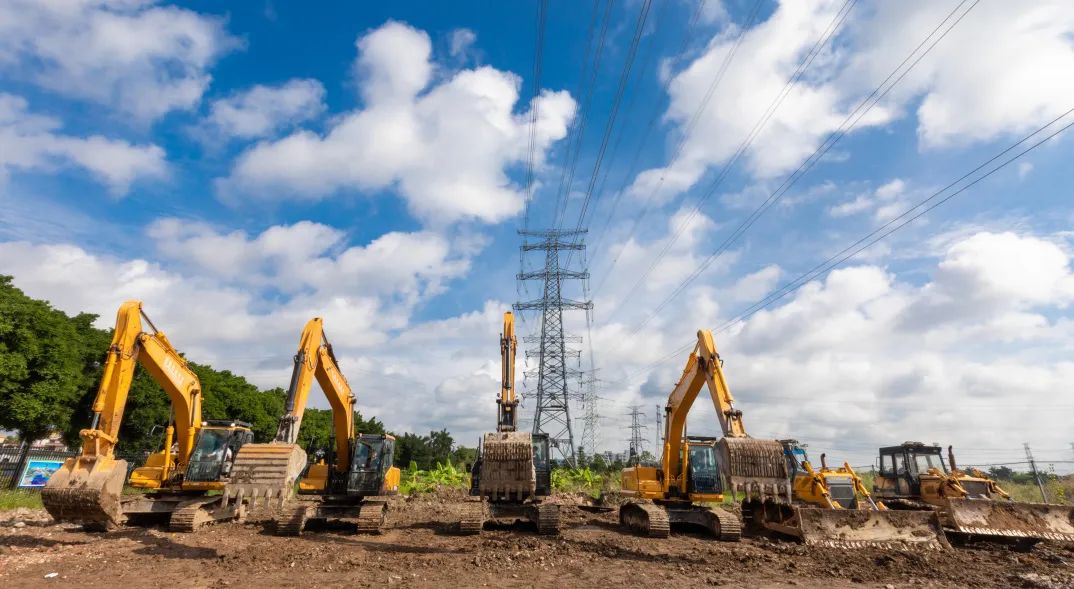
(16, 499)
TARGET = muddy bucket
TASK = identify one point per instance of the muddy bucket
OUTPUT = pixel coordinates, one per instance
(86, 490)
(507, 469)
(1009, 519)
(755, 469)
(266, 471)
(859, 528)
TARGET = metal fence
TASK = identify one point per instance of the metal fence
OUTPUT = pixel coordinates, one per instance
(29, 473)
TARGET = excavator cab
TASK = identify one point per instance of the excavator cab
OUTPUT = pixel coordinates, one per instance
(542, 465)
(217, 444)
(703, 466)
(372, 457)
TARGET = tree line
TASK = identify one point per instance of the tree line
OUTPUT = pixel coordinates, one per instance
(51, 365)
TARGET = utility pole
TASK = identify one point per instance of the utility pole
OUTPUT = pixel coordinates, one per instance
(1036, 475)
(637, 439)
(553, 415)
(659, 432)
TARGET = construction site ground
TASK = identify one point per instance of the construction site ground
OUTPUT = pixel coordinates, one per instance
(419, 550)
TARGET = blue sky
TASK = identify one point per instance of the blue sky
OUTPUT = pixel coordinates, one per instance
(241, 171)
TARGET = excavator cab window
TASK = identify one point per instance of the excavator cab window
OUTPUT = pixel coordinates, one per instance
(703, 468)
(368, 464)
(213, 454)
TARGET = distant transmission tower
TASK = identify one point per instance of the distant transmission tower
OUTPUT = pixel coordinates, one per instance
(589, 409)
(637, 439)
(553, 415)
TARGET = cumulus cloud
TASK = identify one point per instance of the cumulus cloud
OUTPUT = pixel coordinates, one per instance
(864, 358)
(445, 145)
(262, 111)
(885, 203)
(461, 41)
(32, 142)
(142, 59)
(994, 74)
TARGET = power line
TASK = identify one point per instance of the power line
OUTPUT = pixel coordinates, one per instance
(624, 77)
(535, 107)
(900, 221)
(845, 127)
(691, 125)
(574, 142)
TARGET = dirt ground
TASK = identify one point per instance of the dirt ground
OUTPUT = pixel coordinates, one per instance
(419, 550)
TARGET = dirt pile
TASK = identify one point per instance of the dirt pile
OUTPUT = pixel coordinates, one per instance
(420, 550)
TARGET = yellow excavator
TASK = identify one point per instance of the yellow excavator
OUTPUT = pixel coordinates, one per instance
(683, 488)
(970, 505)
(862, 522)
(686, 485)
(195, 461)
(359, 476)
(512, 474)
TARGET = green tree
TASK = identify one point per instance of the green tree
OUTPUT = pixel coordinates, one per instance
(45, 365)
(230, 396)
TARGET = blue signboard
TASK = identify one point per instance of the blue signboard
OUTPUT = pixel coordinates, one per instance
(38, 472)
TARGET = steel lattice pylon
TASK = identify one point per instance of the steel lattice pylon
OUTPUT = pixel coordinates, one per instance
(553, 415)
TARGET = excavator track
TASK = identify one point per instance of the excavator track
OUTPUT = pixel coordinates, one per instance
(371, 516)
(473, 517)
(291, 520)
(646, 519)
(189, 517)
(548, 519)
(724, 525)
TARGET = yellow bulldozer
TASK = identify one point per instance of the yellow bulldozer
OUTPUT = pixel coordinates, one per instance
(357, 479)
(512, 475)
(913, 475)
(686, 487)
(861, 521)
(183, 479)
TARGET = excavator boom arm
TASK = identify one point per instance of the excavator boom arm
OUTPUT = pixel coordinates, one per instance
(316, 360)
(508, 402)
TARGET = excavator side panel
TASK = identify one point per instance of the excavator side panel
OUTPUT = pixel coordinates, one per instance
(1009, 519)
(755, 469)
(86, 490)
(507, 469)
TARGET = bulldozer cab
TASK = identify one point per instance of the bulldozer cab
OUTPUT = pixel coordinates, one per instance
(371, 457)
(703, 466)
(902, 466)
(215, 448)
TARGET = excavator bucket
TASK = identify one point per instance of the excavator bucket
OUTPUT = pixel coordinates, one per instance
(507, 469)
(755, 469)
(856, 528)
(266, 471)
(1008, 519)
(86, 490)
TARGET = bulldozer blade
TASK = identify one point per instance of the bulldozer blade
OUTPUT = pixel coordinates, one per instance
(86, 490)
(756, 469)
(1009, 519)
(856, 528)
(266, 471)
(507, 469)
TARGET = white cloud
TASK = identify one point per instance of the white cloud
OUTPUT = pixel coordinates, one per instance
(994, 74)
(1024, 169)
(461, 42)
(863, 358)
(445, 147)
(261, 111)
(141, 59)
(886, 202)
(31, 142)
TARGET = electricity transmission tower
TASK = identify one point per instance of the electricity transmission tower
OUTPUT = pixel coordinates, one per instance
(553, 415)
(1036, 473)
(637, 439)
(589, 410)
